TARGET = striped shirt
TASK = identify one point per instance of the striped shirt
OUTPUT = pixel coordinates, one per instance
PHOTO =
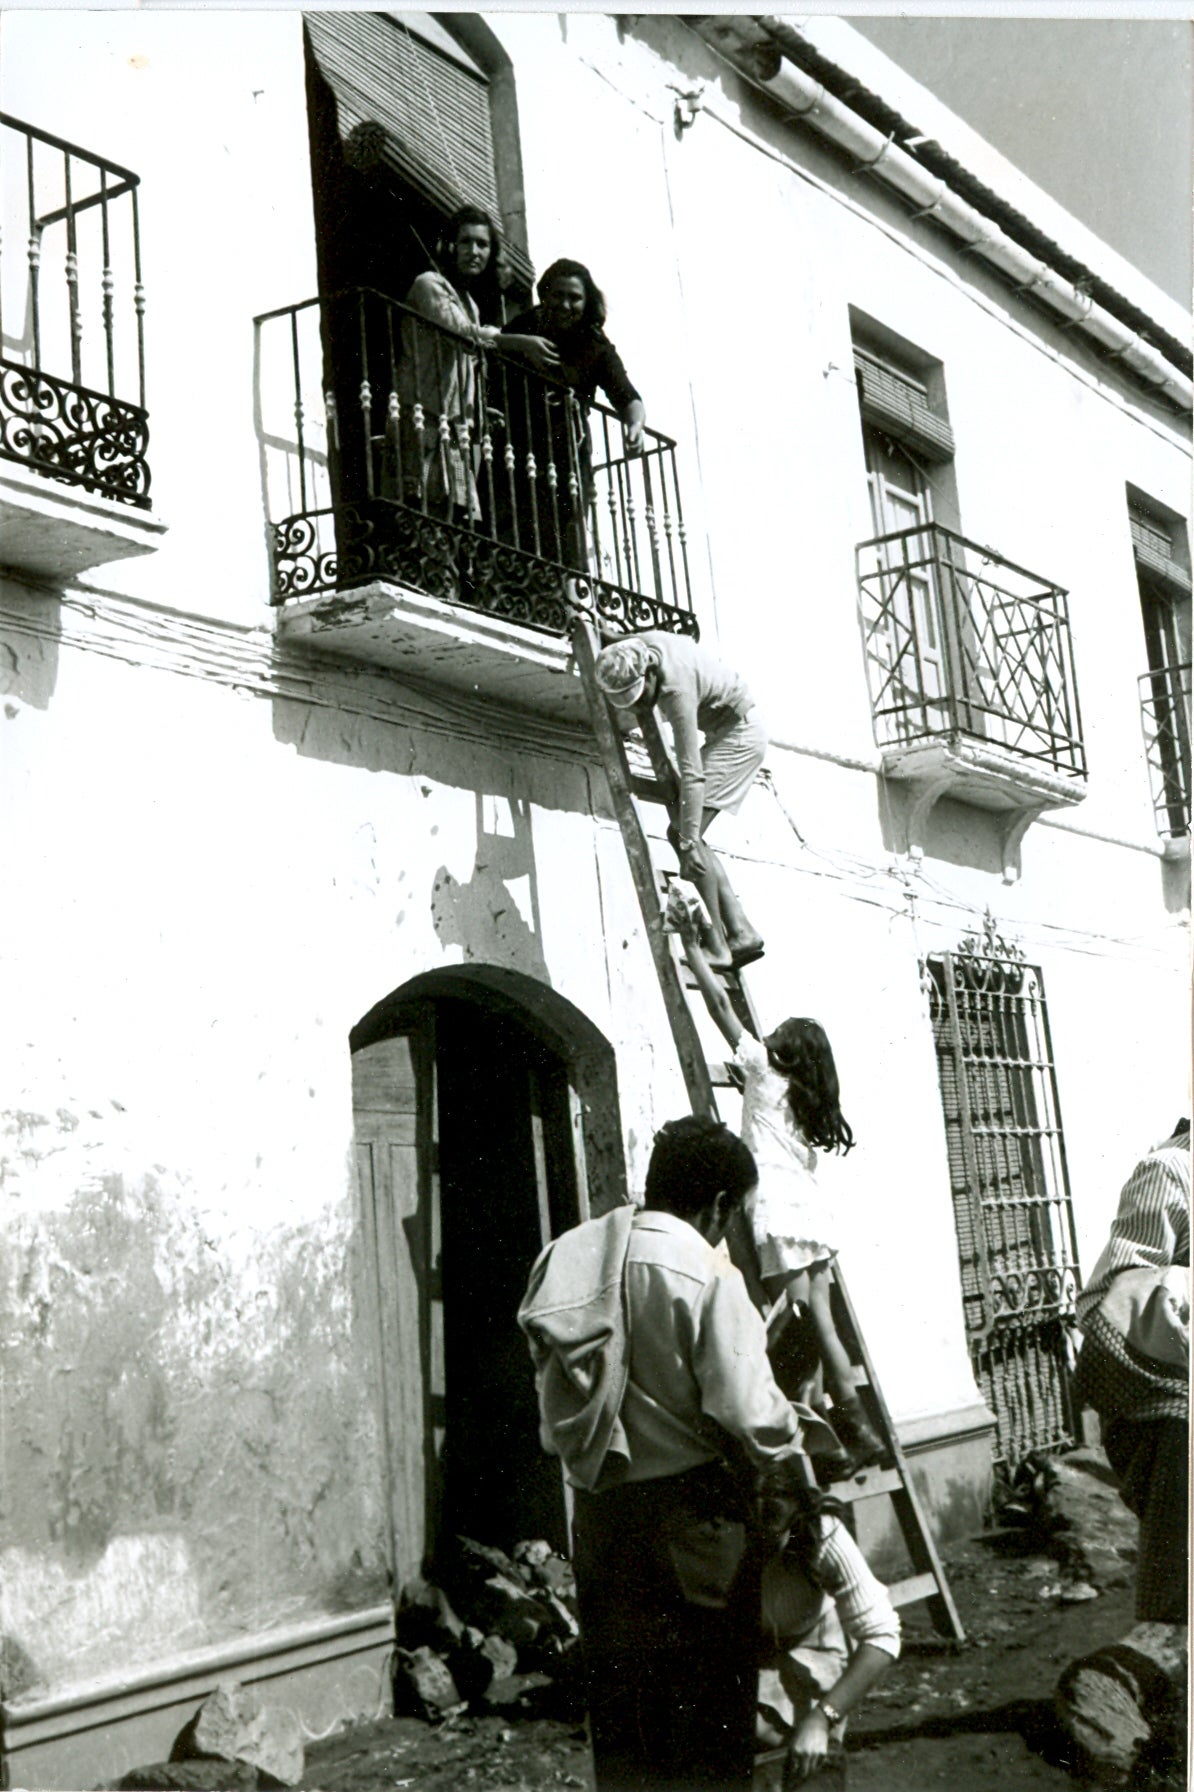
(792, 1605)
(1151, 1230)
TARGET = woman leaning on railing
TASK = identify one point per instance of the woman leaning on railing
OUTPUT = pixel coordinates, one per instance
(437, 376)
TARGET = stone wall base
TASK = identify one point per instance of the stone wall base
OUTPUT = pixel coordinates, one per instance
(330, 1672)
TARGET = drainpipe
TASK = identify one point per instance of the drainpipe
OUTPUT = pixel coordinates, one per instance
(804, 98)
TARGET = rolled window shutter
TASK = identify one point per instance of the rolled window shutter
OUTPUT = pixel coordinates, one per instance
(899, 404)
(403, 105)
(1153, 547)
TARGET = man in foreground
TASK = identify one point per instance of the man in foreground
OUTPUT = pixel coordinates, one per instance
(656, 1392)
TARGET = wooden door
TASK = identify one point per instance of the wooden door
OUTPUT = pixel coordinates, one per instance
(393, 1086)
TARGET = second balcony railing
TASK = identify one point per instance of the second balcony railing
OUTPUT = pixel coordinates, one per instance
(396, 449)
(1165, 712)
(72, 345)
(961, 642)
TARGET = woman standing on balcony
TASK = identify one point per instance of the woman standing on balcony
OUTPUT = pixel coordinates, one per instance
(570, 319)
(438, 390)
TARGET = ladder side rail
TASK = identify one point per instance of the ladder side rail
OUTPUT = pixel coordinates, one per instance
(909, 1509)
(691, 1054)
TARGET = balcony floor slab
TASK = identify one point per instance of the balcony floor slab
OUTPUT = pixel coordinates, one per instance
(390, 626)
(53, 531)
(983, 774)
(986, 776)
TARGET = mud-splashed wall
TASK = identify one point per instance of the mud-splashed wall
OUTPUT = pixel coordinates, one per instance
(188, 1448)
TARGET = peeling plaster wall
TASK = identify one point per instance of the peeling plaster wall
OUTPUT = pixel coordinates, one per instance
(227, 855)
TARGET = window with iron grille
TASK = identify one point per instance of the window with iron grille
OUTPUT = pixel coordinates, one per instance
(1160, 549)
(1011, 1198)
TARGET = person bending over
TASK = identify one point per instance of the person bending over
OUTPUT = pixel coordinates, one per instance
(698, 696)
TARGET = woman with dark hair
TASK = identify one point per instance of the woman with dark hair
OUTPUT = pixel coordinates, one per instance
(450, 313)
(830, 1632)
(791, 1110)
(563, 337)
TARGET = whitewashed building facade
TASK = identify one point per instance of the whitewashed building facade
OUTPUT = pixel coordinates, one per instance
(325, 990)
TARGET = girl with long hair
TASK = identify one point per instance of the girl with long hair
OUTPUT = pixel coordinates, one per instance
(791, 1110)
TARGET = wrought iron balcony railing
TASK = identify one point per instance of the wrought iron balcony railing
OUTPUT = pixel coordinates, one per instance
(72, 348)
(396, 449)
(961, 642)
(1165, 711)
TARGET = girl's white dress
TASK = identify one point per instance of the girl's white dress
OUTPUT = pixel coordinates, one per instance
(790, 1217)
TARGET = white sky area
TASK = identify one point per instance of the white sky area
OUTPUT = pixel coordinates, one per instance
(1097, 111)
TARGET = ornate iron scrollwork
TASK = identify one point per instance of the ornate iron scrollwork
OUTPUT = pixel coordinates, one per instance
(334, 549)
(74, 434)
(989, 962)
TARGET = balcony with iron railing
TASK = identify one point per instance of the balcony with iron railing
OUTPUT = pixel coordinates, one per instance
(74, 430)
(439, 508)
(971, 679)
(1165, 713)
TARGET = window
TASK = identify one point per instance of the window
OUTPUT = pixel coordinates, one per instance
(1011, 1197)
(960, 642)
(906, 438)
(1161, 550)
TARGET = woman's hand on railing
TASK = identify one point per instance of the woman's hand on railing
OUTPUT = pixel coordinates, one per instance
(634, 420)
(538, 350)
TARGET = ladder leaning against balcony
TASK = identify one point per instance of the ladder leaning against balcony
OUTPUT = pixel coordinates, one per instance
(891, 1477)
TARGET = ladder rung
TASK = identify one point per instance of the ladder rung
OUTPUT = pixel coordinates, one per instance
(917, 1586)
(867, 1485)
(648, 790)
(719, 1075)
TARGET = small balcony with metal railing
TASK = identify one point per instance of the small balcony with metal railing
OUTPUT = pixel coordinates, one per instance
(438, 508)
(74, 429)
(971, 677)
(1165, 713)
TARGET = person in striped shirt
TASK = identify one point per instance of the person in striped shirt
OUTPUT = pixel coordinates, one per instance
(830, 1632)
(1152, 1226)
(1134, 1367)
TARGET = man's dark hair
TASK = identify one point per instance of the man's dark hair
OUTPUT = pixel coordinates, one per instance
(693, 1162)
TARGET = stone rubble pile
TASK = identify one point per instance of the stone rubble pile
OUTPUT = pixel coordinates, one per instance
(495, 1632)
(1070, 1508)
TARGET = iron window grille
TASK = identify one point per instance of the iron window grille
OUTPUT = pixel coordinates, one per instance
(960, 641)
(1010, 1187)
(73, 355)
(397, 449)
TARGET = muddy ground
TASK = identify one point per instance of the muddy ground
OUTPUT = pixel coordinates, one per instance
(973, 1718)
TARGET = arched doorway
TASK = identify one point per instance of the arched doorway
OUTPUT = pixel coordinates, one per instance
(486, 1121)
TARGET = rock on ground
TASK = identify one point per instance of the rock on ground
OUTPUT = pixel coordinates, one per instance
(1123, 1707)
(232, 1725)
(423, 1684)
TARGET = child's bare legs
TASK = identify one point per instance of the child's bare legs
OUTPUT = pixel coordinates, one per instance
(862, 1442)
(833, 1355)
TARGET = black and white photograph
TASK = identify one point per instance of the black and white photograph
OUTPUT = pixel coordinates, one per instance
(595, 692)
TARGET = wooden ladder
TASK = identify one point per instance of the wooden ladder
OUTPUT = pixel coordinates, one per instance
(891, 1478)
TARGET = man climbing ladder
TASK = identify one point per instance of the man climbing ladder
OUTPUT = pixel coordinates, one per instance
(697, 695)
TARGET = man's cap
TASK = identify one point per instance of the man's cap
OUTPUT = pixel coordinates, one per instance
(622, 670)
